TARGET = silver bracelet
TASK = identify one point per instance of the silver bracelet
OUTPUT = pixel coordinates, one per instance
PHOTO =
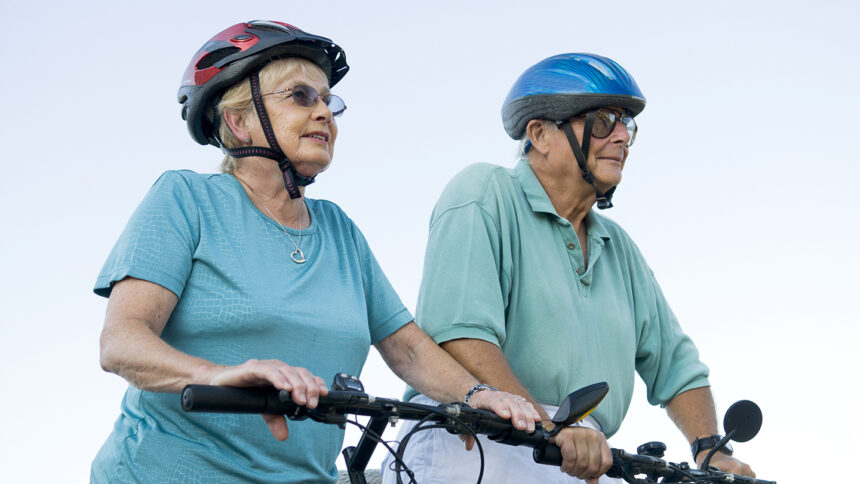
(477, 388)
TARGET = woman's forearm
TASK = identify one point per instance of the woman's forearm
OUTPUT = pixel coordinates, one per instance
(131, 345)
(421, 363)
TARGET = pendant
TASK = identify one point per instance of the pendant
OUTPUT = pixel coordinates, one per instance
(298, 256)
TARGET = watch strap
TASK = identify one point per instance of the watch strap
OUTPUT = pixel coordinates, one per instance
(706, 443)
(477, 388)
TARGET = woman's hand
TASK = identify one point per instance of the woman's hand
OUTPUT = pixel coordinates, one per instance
(585, 453)
(305, 388)
(520, 411)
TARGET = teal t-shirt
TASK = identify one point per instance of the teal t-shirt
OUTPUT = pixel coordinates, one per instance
(242, 297)
(502, 266)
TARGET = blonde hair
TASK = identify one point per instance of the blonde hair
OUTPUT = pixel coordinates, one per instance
(238, 98)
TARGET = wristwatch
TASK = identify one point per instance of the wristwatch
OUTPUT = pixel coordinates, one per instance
(706, 443)
(477, 388)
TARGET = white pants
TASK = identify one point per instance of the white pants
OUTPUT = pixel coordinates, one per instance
(439, 457)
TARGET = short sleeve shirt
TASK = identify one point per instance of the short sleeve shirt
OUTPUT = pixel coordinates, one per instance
(241, 297)
(502, 266)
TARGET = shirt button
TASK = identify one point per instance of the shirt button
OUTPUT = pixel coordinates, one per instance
(571, 245)
(579, 271)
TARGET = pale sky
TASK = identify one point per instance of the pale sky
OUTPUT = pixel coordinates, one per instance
(739, 189)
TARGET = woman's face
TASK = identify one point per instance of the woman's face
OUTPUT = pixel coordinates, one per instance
(306, 134)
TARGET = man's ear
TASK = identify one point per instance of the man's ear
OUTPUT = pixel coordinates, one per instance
(538, 131)
(237, 122)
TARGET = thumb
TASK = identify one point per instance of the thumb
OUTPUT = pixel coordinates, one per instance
(277, 426)
(469, 441)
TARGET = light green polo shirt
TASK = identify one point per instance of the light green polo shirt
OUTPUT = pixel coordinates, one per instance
(502, 266)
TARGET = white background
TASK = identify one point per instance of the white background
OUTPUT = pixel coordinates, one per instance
(740, 189)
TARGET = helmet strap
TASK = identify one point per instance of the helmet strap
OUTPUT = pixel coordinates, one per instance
(604, 200)
(292, 178)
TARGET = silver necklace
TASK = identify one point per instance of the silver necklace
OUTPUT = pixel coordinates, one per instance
(297, 255)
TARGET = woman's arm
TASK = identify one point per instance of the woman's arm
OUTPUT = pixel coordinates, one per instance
(131, 346)
(419, 361)
(585, 452)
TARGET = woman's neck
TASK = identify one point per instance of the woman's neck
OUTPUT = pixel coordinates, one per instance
(264, 183)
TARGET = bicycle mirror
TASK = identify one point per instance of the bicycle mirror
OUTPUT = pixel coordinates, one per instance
(579, 404)
(744, 418)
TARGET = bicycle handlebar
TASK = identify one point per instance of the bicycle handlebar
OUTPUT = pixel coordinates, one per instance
(333, 408)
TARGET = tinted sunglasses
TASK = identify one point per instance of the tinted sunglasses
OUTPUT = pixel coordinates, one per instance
(307, 97)
(605, 121)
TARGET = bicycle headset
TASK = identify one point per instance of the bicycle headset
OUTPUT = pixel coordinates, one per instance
(563, 86)
(239, 52)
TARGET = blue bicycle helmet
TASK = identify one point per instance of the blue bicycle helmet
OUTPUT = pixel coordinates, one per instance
(562, 86)
(566, 85)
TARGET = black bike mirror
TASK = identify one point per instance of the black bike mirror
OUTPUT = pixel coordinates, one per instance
(579, 404)
(742, 420)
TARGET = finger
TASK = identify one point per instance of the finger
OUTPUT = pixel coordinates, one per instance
(565, 441)
(323, 388)
(311, 386)
(521, 415)
(606, 457)
(529, 414)
(600, 456)
(298, 386)
(595, 456)
(583, 457)
(277, 426)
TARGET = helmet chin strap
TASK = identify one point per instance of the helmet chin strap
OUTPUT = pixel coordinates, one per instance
(292, 179)
(604, 200)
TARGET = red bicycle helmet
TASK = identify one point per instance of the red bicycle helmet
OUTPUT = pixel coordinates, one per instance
(237, 52)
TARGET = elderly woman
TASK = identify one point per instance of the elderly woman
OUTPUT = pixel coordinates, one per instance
(238, 279)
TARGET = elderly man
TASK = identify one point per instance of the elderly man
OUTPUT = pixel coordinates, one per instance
(537, 294)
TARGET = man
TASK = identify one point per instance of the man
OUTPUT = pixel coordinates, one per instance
(538, 295)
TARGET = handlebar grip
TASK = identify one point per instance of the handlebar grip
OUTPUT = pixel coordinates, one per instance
(209, 398)
(549, 454)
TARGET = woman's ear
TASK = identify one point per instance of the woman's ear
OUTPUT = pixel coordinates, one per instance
(237, 122)
(538, 133)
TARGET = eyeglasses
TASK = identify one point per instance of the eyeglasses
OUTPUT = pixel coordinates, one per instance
(307, 97)
(605, 121)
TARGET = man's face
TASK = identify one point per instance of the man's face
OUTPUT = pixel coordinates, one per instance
(606, 155)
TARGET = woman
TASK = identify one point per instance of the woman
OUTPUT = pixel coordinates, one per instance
(237, 279)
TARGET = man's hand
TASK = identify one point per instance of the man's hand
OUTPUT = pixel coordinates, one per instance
(726, 463)
(585, 453)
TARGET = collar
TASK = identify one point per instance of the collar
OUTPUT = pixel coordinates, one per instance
(540, 202)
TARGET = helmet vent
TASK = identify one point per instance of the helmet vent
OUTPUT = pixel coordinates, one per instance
(215, 56)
